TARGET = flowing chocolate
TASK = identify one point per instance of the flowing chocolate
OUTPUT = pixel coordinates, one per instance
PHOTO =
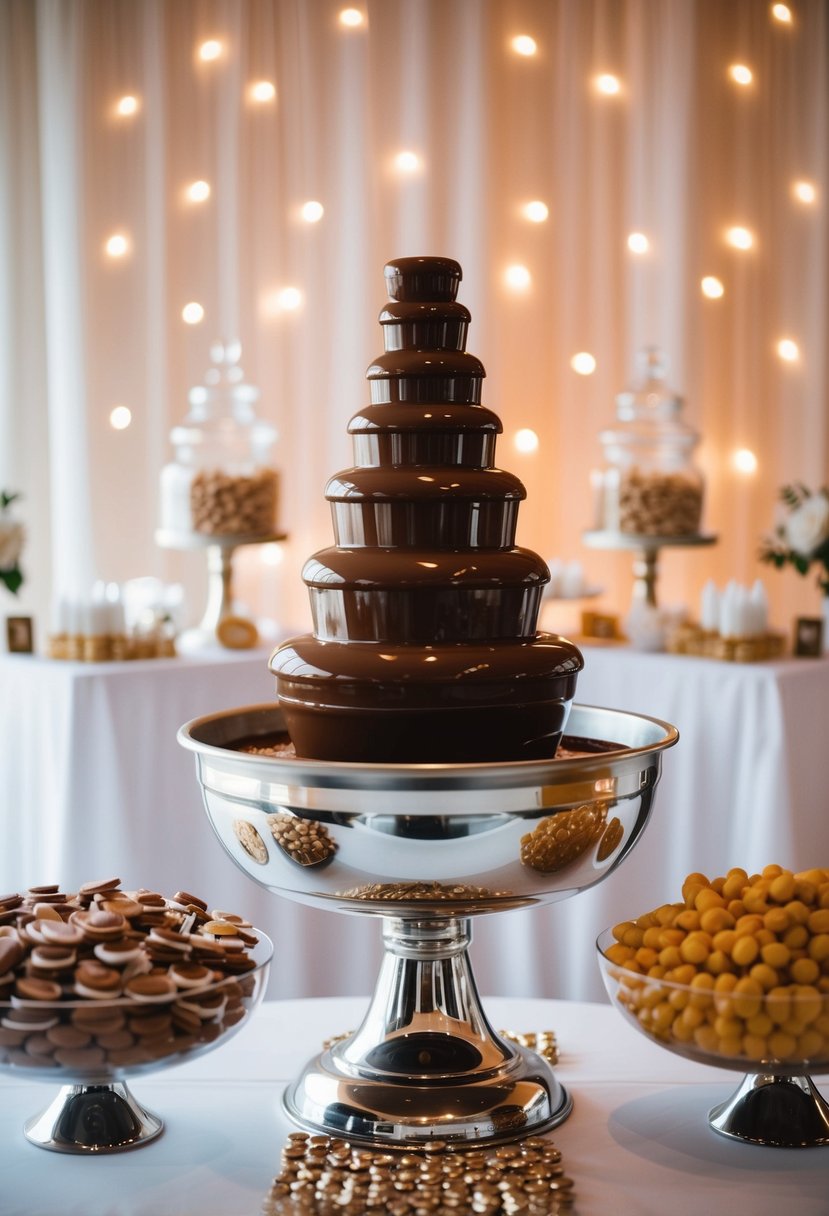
(425, 647)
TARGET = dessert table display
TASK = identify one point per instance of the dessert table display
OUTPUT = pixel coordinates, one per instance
(637, 1142)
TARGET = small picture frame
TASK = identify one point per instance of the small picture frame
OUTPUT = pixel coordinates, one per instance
(20, 634)
(602, 625)
(808, 637)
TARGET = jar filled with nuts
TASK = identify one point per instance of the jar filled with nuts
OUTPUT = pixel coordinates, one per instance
(222, 481)
(650, 485)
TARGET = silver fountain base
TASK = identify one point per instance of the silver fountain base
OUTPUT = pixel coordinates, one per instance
(426, 847)
(426, 1064)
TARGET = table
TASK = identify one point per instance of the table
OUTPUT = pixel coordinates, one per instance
(636, 1144)
(94, 784)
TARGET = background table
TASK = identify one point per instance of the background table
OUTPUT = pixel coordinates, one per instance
(94, 784)
(636, 1144)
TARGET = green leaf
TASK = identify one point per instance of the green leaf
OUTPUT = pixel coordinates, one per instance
(7, 499)
(13, 579)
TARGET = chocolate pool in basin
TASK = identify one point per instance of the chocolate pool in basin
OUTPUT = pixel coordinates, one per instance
(424, 610)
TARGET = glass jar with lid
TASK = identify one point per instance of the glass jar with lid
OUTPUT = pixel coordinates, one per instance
(649, 485)
(222, 481)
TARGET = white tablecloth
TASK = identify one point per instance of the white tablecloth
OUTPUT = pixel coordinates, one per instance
(636, 1144)
(94, 784)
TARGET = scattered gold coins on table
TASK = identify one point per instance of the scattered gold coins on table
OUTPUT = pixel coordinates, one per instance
(739, 968)
(322, 1175)
(544, 1042)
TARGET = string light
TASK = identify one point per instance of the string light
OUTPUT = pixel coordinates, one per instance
(287, 299)
(262, 90)
(608, 84)
(117, 245)
(120, 417)
(271, 555)
(712, 287)
(127, 106)
(312, 211)
(210, 50)
(804, 192)
(782, 13)
(407, 162)
(739, 238)
(583, 363)
(526, 440)
(351, 18)
(744, 461)
(523, 44)
(638, 243)
(197, 192)
(192, 313)
(517, 278)
(740, 74)
(536, 211)
(788, 350)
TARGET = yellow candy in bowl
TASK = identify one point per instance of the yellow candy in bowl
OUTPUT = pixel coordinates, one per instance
(736, 975)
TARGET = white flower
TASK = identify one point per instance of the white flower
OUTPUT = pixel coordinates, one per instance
(12, 536)
(808, 525)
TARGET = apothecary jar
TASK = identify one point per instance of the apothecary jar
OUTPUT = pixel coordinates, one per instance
(649, 484)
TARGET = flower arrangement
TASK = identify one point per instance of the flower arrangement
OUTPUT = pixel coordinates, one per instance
(12, 536)
(802, 538)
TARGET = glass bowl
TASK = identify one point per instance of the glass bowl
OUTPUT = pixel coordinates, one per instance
(777, 1038)
(90, 1047)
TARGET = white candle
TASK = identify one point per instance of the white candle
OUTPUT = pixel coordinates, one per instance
(710, 607)
(760, 605)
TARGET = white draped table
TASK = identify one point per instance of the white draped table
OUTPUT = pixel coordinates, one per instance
(94, 784)
(636, 1144)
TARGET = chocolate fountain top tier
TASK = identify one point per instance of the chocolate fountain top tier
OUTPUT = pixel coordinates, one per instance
(425, 609)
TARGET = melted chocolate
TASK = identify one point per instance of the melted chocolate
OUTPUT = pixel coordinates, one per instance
(425, 610)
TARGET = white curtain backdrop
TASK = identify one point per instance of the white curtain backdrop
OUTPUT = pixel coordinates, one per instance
(680, 153)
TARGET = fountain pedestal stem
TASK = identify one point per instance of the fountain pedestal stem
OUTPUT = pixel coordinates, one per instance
(425, 1064)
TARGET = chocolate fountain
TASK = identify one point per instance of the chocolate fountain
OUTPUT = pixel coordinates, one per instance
(412, 766)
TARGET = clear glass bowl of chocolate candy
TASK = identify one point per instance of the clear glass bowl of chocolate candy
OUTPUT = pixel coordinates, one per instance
(104, 984)
(736, 974)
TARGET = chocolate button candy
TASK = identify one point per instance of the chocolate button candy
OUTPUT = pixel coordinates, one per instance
(31, 989)
(148, 988)
(92, 888)
(61, 933)
(11, 953)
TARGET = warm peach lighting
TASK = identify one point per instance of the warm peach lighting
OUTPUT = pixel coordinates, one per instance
(271, 555)
(740, 74)
(127, 106)
(523, 44)
(117, 246)
(739, 238)
(517, 278)
(804, 192)
(608, 84)
(351, 17)
(312, 211)
(536, 211)
(197, 192)
(192, 313)
(782, 13)
(262, 90)
(525, 440)
(638, 243)
(744, 461)
(120, 417)
(210, 50)
(583, 363)
(407, 162)
(788, 350)
(712, 287)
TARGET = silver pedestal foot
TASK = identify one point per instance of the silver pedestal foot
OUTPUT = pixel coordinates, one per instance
(93, 1119)
(425, 1064)
(776, 1111)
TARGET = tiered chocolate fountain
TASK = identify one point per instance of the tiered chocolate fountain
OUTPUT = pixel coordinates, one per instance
(425, 714)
